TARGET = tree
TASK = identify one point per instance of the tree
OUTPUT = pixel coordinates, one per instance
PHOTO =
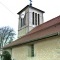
(6, 55)
(6, 35)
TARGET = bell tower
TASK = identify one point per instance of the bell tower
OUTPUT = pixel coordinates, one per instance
(29, 18)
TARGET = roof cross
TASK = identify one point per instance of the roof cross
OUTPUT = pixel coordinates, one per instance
(30, 2)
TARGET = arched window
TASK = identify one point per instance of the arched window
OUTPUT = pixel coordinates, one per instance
(23, 19)
(35, 18)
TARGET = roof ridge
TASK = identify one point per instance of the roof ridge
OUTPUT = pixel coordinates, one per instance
(30, 7)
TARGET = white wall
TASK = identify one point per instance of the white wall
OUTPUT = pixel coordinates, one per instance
(49, 49)
(31, 26)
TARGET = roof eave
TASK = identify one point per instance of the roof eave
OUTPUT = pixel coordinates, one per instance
(47, 36)
(30, 7)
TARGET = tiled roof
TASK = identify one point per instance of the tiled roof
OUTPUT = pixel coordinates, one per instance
(52, 26)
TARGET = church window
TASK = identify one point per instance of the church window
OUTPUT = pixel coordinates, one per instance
(33, 18)
(32, 50)
(23, 19)
(21, 22)
(38, 19)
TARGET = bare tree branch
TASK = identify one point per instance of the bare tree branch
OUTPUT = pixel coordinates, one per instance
(6, 35)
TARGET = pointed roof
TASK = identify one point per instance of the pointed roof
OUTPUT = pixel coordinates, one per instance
(49, 28)
(30, 7)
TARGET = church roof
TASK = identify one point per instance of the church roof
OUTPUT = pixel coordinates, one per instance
(50, 28)
(30, 7)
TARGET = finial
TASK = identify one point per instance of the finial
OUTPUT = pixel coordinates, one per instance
(30, 2)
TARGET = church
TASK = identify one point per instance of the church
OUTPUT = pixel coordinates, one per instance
(36, 40)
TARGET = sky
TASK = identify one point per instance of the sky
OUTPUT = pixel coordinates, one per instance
(10, 8)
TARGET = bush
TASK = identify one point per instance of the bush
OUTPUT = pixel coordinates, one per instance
(6, 55)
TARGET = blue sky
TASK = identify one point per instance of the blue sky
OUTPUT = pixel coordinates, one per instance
(9, 9)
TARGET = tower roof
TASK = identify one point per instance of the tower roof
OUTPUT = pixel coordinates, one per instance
(30, 7)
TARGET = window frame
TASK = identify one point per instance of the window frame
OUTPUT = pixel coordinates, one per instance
(38, 19)
(23, 21)
(33, 17)
(32, 50)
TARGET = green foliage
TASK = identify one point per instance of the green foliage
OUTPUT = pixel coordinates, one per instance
(6, 55)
